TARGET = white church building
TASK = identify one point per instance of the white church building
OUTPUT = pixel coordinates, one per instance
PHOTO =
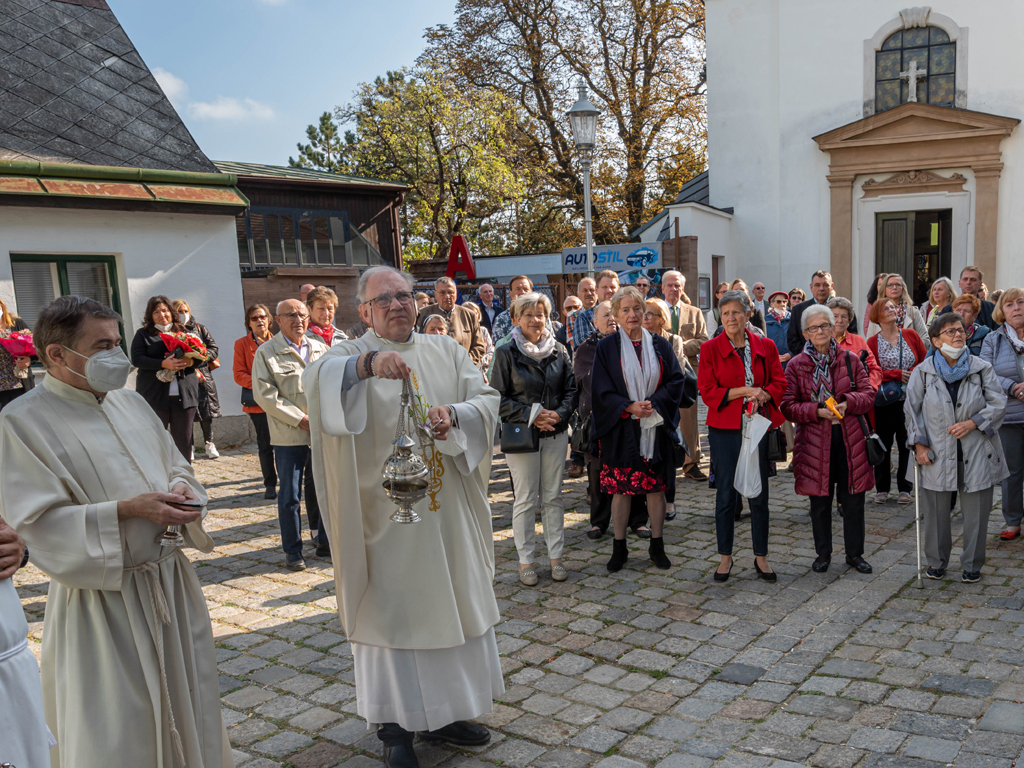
(860, 137)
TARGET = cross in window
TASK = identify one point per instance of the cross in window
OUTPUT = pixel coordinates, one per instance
(912, 75)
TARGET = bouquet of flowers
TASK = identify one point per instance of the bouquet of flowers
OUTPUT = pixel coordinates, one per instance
(18, 344)
(181, 345)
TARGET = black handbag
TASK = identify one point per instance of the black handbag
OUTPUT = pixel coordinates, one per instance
(689, 387)
(248, 401)
(518, 437)
(679, 448)
(778, 449)
(891, 392)
(872, 442)
(582, 438)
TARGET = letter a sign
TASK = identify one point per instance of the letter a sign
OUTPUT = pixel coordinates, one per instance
(459, 259)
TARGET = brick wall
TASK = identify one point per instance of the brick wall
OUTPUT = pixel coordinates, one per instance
(284, 283)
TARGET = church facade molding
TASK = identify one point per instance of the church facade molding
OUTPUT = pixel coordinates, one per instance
(914, 181)
(909, 18)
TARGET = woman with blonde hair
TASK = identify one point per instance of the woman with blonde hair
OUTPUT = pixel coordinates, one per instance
(907, 315)
(940, 295)
(14, 377)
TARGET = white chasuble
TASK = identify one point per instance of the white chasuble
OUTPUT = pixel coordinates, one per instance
(128, 665)
(421, 594)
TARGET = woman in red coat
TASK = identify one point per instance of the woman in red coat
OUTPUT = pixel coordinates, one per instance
(829, 454)
(898, 351)
(737, 367)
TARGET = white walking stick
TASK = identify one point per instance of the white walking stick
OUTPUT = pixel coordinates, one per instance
(917, 521)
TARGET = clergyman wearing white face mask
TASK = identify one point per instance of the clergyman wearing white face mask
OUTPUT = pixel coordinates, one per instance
(176, 402)
(954, 408)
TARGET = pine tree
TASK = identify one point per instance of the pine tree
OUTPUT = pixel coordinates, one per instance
(326, 150)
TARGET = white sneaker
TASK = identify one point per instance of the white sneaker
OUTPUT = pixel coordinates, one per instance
(211, 451)
(881, 498)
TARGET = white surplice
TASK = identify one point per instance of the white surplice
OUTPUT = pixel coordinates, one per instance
(126, 630)
(24, 741)
(416, 601)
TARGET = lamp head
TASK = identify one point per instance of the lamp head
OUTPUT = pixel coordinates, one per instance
(583, 119)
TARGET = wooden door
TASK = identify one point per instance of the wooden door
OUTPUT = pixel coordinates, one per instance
(894, 244)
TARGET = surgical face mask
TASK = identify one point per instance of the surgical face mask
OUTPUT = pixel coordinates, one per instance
(183, 318)
(104, 371)
(163, 328)
(955, 352)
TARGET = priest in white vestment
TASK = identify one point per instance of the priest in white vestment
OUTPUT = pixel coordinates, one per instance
(416, 600)
(90, 479)
(24, 740)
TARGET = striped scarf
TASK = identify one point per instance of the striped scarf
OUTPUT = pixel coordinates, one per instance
(822, 375)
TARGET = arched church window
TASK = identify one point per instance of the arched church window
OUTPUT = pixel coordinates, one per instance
(921, 59)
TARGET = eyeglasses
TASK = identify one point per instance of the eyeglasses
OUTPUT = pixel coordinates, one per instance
(257, 317)
(303, 316)
(818, 328)
(652, 315)
(384, 300)
(953, 332)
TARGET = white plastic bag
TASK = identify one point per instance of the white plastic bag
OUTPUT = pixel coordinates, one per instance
(747, 480)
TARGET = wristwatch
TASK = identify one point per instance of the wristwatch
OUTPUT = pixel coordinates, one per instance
(24, 560)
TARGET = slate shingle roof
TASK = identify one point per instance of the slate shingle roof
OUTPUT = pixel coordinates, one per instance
(73, 89)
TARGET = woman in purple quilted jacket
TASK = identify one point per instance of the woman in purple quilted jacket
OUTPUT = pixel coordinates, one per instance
(829, 454)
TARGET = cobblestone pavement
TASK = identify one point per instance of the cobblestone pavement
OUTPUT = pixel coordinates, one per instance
(643, 667)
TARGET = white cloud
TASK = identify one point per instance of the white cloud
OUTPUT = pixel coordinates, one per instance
(230, 108)
(174, 87)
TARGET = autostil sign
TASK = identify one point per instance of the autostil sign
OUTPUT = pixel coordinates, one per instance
(616, 257)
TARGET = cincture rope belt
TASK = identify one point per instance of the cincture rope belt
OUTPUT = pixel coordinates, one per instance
(151, 575)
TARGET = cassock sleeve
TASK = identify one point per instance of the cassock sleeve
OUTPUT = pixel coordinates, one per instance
(78, 545)
(342, 395)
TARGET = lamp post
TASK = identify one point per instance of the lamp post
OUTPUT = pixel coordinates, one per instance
(583, 120)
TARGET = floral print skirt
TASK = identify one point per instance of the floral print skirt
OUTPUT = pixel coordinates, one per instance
(632, 481)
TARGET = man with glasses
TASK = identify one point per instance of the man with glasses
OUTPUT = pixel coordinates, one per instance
(462, 324)
(759, 302)
(416, 601)
(277, 388)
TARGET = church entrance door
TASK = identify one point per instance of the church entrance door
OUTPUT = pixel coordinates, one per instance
(916, 245)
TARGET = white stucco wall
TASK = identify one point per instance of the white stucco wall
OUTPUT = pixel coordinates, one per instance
(783, 71)
(183, 256)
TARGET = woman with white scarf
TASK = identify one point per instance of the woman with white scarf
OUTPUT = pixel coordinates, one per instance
(1003, 348)
(636, 387)
(533, 373)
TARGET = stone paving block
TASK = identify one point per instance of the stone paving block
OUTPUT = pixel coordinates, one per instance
(787, 724)
(847, 668)
(1004, 717)
(788, 673)
(692, 670)
(746, 709)
(833, 756)
(541, 729)
(333, 694)
(933, 725)
(282, 707)
(516, 753)
(625, 719)
(597, 739)
(774, 692)
(604, 674)
(697, 709)
(684, 760)
(648, 660)
(869, 693)
(570, 664)
(918, 701)
(672, 729)
(723, 692)
(283, 744)
(247, 698)
(974, 760)
(896, 761)
(877, 740)
(743, 674)
(562, 758)
(597, 696)
(348, 732)
(619, 762)
(998, 744)
(542, 704)
(962, 686)
(645, 748)
(706, 747)
(779, 746)
(823, 706)
(635, 681)
(830, 686)
(314, 719)
(939, 750)
(250, 730)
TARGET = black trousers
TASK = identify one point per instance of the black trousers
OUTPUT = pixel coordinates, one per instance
(207, 426)
(890, 424)
(601, 503)
(179, 421)
(7, 395)
(309, 496)
(266, 450)
(852, 503)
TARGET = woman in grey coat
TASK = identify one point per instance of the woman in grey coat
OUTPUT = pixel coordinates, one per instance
(1003, 348)
(954, 408)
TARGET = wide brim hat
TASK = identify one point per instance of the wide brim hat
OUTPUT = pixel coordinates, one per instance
(778, 293)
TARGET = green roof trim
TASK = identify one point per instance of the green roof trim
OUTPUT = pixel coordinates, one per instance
(114, 173)
(300, 174)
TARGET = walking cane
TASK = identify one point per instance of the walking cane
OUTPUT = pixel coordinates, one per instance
(917, 521)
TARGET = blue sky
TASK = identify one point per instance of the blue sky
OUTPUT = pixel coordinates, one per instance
(248, 76)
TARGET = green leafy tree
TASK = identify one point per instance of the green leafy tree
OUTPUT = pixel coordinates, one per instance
(327, 147)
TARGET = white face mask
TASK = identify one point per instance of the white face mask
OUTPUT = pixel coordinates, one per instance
(955, 352)
(183, 318)
(105, 371)
(163, 328)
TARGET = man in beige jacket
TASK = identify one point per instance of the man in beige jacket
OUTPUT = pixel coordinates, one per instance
(462, 324)
(277, 387)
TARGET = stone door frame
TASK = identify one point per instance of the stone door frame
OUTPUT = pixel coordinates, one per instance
(909, 139)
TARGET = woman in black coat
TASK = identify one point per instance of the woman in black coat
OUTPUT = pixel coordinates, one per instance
(209, 402)
(631, 387)
(177, 401)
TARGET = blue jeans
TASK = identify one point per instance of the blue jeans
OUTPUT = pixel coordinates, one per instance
(725, 451)
(291, 462)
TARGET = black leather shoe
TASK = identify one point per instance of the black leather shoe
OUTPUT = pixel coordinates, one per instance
(270, 494)
(859, 563)
(670, 515)
(323, 550)
(400, 756)
(696, 474)
(620, 554)
(766, 575)
(820, 566)
(643, 533)
(295, 563)
(719, 576)
(594, 534)
(461, 733)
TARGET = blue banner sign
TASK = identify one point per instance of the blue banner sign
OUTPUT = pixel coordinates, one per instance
(616, 257)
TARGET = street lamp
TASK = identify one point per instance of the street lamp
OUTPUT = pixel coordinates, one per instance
(583, 120)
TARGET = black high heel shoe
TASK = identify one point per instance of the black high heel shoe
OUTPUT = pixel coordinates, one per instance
(724, 576)
(766, 575)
